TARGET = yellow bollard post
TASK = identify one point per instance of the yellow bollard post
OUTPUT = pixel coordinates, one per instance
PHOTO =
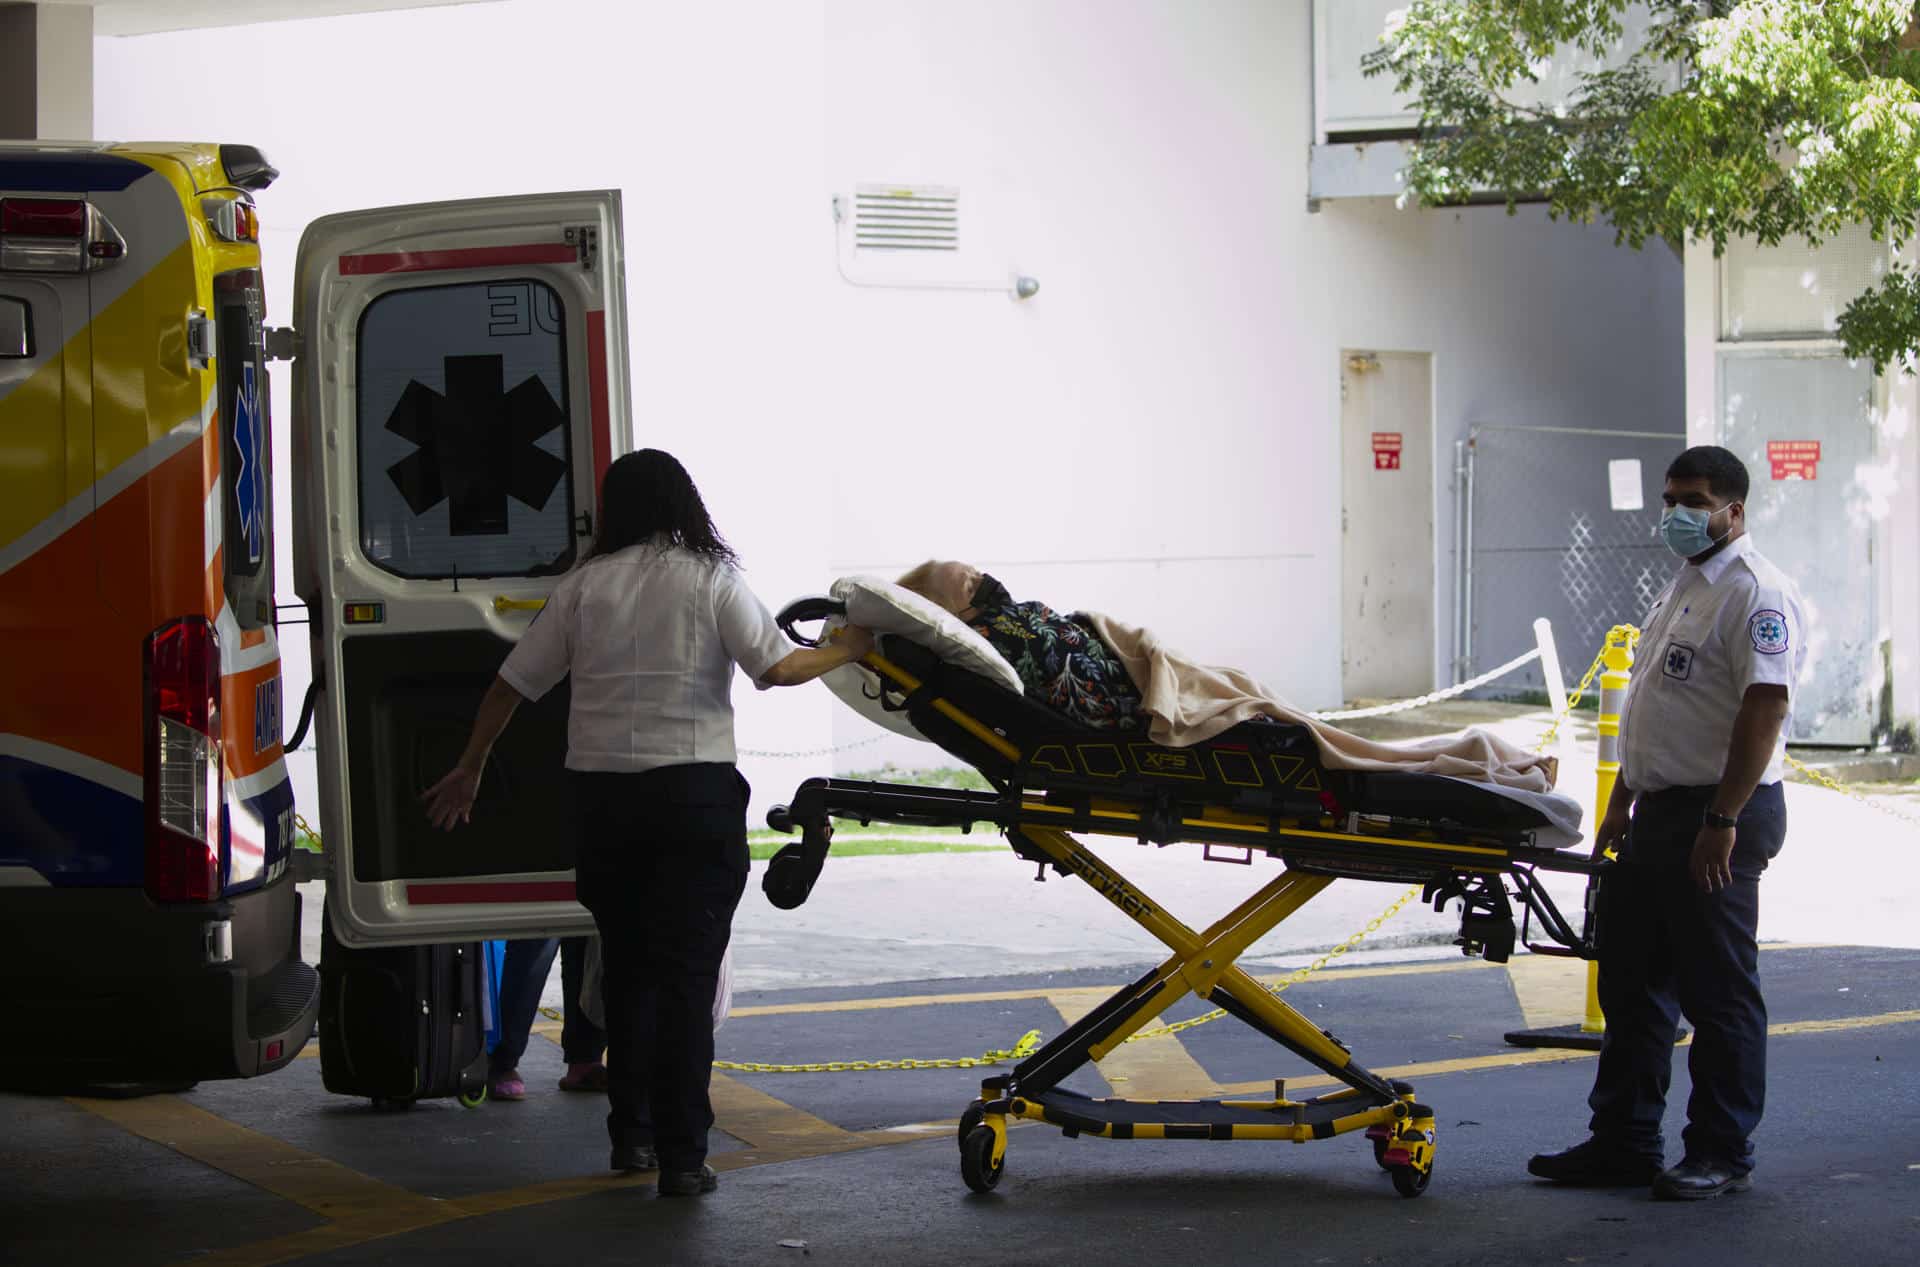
(1618, 661)
(1615, 665)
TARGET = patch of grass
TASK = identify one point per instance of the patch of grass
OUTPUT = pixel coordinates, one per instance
(851, 840)
(941, 776)
(860, 846)
(1589, 703)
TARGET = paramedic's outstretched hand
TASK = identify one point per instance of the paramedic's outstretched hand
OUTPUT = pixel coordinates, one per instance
(450, 801)
(853, 640)
(1612, 833)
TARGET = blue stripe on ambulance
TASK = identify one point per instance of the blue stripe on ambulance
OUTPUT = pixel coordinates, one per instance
(78, 834)
(71, 830)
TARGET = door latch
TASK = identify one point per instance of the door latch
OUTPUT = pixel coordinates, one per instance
(586, 240)
(199, 340)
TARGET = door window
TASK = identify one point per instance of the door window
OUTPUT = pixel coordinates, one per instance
(464, 442)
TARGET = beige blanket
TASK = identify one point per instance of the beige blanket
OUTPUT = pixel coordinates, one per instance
(1189, 703)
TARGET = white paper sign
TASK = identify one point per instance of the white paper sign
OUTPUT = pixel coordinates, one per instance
(1623, 484)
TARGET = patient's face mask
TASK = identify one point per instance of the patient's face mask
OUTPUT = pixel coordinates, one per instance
(1688, 532)
(990, 594)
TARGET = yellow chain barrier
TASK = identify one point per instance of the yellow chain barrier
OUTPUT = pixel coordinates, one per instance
(1833, 784)
(1020, 1050)
(1632, 636)
(1293, 978)
(300, 821)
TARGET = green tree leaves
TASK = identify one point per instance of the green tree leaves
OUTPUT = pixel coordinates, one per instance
(1691, 122)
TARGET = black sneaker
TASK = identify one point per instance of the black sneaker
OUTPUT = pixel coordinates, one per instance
(1595, 1164)
(634, 1157)
(1696, 1180)
(688, 1183)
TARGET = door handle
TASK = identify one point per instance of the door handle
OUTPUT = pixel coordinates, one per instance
(502, 604)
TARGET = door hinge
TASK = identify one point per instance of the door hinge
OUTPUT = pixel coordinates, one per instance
(583, 524)
(283, 343)
(586, 240)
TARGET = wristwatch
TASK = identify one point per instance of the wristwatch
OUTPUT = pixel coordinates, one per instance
(1712, 819)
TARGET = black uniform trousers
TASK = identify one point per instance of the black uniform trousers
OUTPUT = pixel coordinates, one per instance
(1667, 949)
(662, 863)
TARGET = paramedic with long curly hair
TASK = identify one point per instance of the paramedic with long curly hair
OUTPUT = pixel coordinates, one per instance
(651, 627)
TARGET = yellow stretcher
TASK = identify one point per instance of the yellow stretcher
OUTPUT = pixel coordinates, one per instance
(1260, 787)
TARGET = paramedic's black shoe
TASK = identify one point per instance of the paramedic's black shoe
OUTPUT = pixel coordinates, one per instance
(1695, 1180)
(634, 1157)
(1595, 1164)
(688, 1183)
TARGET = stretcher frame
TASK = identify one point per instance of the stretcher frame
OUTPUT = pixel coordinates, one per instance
(1475, 867)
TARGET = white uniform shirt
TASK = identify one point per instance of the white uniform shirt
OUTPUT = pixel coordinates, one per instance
(1715, 630)
(651, 634)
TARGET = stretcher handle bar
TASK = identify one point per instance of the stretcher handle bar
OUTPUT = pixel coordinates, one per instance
(805, 611)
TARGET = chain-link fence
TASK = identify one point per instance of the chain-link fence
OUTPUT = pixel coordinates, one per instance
(1557, 522)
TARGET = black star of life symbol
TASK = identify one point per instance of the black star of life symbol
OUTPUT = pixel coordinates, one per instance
(476, 445)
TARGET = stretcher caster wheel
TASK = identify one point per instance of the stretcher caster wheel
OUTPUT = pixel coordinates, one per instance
(1409, 1182)
(975, 1114)
(977, 1166)
(1380, 1154)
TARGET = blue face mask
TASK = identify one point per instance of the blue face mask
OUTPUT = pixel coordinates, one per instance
(1686, 531)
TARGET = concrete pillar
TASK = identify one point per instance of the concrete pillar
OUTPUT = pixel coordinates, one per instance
(46, 72)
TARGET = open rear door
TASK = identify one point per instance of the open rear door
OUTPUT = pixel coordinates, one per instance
(460, 384)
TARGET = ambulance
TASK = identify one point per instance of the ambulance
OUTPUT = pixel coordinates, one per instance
(459, 383)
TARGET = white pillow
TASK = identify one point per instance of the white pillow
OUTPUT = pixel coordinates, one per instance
(885, 607)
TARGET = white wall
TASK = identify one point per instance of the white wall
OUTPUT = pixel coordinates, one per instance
(1155, 434)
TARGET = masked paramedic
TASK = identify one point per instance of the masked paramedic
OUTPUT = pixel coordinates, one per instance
(650, 629)
(1695, 817)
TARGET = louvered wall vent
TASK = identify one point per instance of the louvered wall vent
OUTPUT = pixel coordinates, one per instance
(896, 218)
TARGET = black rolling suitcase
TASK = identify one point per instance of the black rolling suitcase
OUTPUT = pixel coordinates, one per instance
(403, 1023)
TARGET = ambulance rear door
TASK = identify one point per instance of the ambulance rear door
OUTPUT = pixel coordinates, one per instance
(460, 384)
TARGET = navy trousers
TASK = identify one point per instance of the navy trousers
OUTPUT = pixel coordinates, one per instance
(662, 864)
(1668, 950)
(523, 979)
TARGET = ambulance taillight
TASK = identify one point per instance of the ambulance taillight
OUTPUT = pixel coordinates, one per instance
(183, 762)
(55, 235)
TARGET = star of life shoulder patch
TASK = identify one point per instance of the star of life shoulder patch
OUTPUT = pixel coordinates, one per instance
(1768, 629)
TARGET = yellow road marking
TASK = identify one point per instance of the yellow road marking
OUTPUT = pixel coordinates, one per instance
(1008, 996)
(358, 1208)
(1552, 990)
(1551, 1055)
(758, 1119)
(325, 1187)
(1159, 1070)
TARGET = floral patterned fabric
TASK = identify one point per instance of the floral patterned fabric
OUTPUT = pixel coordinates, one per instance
(1062, 663)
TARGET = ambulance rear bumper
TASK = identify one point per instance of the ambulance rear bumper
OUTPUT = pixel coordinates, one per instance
(103, 986)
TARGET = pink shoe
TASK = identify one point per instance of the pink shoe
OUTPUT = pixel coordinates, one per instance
(508, 1087)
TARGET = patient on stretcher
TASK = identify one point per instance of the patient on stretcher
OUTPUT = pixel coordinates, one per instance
(1091, 669)
(1061, 661)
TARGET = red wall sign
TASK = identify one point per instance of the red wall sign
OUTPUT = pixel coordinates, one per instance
(1794, 459)
(1386, 450)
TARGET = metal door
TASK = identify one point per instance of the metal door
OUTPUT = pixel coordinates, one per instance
(1818, 530)
(1386, 465)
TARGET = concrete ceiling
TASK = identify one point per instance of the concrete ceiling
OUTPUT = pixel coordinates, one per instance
(142, 17)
